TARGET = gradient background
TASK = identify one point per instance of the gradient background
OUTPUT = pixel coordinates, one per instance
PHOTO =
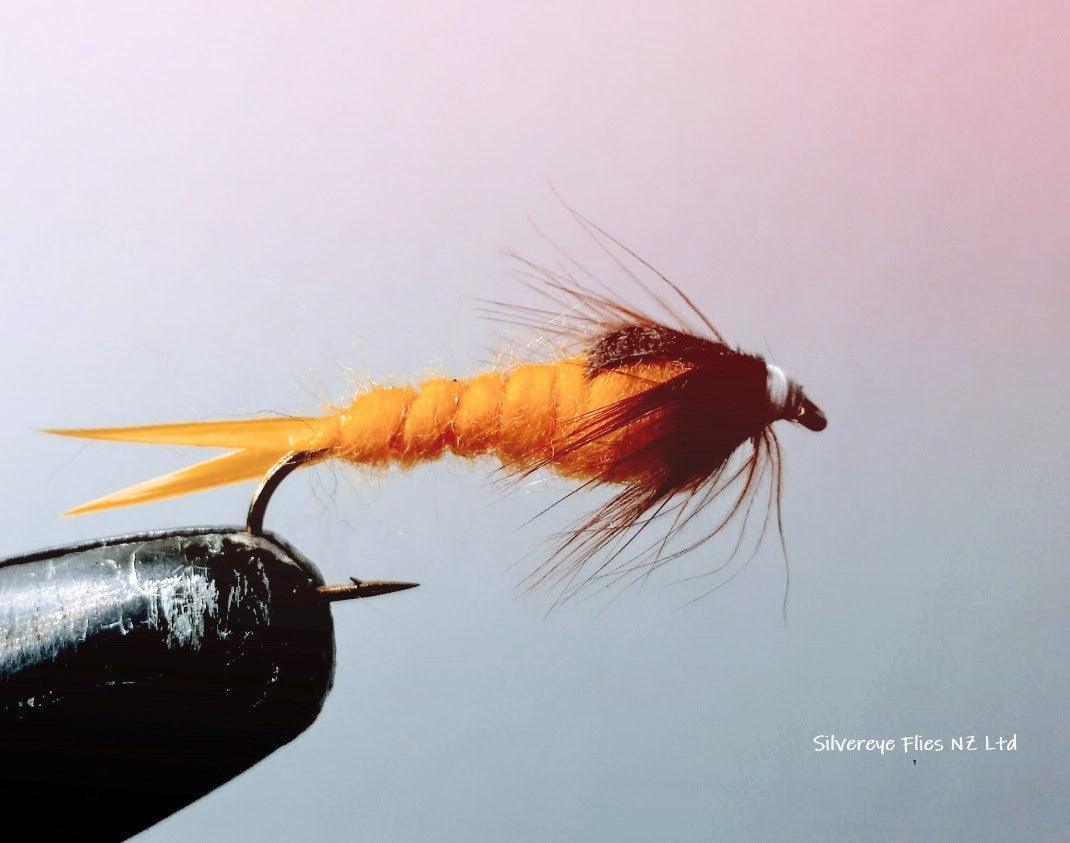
(213, 212)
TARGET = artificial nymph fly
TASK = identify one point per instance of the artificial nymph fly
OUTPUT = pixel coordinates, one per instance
(653, 407)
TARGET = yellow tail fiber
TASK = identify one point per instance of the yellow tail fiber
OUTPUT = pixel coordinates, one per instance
(260, 443)
(285, 434)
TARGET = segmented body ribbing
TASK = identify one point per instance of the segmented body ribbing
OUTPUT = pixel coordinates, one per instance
(522, 416)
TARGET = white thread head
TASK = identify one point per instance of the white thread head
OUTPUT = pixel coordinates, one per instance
(777, 385)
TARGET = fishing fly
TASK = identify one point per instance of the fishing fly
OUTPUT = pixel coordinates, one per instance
(655, 406)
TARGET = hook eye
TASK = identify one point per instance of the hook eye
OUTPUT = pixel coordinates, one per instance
(810, 416)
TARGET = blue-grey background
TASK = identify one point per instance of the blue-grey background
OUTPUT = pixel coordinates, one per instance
(214, 211)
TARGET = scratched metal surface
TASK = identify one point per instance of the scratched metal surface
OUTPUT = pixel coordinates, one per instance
(51, 606)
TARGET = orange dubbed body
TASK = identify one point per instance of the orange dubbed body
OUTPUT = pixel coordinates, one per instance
(523, 417)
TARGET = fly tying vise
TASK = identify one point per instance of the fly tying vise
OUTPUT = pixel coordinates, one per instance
(654, 407)
(196, 651)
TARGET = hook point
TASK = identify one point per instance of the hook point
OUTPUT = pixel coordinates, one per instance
(363, 588)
